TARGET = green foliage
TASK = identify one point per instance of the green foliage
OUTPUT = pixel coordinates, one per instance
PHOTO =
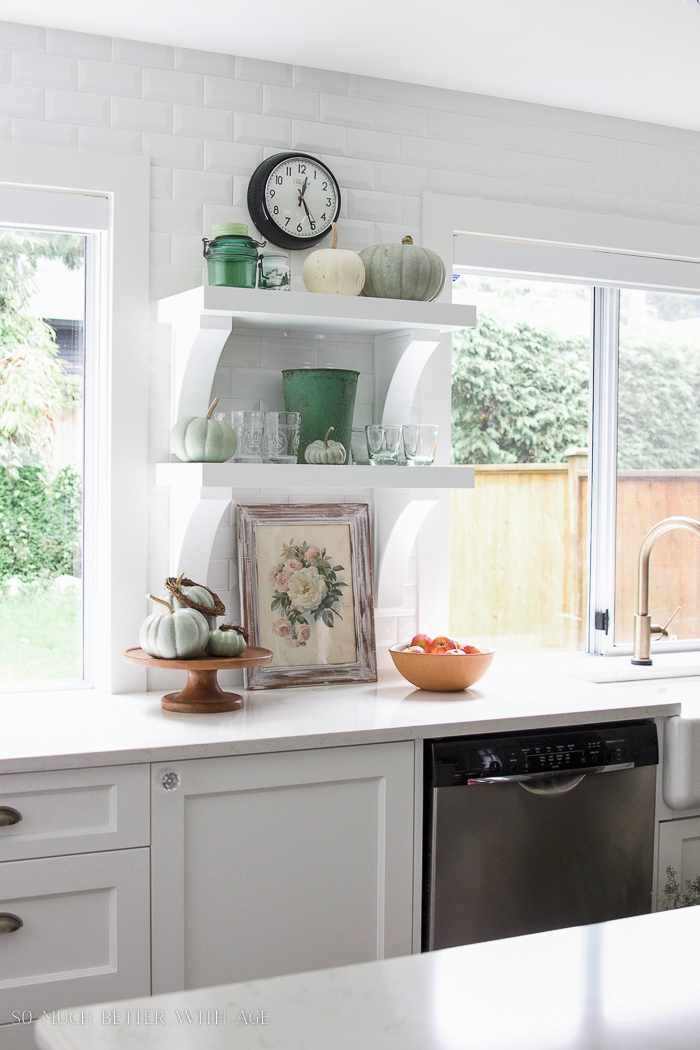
(40, 523)
(518, 395)
(33, 386)
(674, 897)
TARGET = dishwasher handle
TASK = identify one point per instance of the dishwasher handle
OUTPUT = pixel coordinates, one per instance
(529, 778)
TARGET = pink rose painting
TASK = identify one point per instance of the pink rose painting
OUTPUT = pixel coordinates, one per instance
(306, 591)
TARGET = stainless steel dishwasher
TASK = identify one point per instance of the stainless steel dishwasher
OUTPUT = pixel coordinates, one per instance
(535, 831)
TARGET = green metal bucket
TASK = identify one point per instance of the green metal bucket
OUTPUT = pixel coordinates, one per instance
(324, 397)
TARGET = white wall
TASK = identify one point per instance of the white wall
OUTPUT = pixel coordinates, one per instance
(206, 120)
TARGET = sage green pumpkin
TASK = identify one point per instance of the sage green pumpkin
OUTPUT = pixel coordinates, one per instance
(196, 593)
(402, 271)
(201, 439)
(226, 641)
(325, 451)
(174, 634)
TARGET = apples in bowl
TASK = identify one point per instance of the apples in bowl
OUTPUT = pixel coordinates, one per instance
(440, 664)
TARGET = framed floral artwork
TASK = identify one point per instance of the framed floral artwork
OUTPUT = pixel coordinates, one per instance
(306, 589)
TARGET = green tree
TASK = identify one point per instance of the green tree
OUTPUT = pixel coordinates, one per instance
(519, 395)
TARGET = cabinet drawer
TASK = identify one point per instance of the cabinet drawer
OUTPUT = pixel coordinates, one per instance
(84, 936)
(74, 811)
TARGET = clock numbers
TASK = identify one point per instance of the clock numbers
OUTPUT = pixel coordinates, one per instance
(299, 196)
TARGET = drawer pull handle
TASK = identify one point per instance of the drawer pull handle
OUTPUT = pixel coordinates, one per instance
(170, 781)
(9, 923)
(8, 816)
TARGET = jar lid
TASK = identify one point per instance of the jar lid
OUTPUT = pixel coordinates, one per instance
(229, 229)
(274, 254)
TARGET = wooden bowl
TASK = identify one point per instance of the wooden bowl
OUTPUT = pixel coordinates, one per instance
(439, 673)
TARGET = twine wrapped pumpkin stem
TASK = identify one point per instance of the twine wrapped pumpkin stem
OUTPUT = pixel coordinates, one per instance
(175, 587)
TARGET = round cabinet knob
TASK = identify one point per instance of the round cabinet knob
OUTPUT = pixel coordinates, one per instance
(9, 816)
(9, 923)
(170, 781)
(495, 766)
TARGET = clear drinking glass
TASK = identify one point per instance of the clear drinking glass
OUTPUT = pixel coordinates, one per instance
(420, 442)
(281, 442)
(383, 441)
(251, 438)
(358, 445)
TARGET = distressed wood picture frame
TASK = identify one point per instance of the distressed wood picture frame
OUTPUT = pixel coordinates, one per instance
(305, 576)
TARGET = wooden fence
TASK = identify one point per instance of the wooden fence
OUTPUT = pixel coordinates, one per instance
(518, 553)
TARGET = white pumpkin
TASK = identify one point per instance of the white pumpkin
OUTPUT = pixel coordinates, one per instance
(201, 439)
(174, 634)
(325, 451)
(334, 271)
(197, 593)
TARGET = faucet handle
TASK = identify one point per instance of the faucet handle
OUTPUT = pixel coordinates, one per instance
(663, 631)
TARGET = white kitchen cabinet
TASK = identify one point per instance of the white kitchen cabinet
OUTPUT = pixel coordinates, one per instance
(280, 863)
(679, 847)
(84, 935)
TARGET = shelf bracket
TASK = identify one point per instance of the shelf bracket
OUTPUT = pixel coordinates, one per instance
(399, 361)
(398, 519)
(195, 515)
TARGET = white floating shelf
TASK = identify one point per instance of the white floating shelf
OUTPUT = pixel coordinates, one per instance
(302, 476)
(304, 310)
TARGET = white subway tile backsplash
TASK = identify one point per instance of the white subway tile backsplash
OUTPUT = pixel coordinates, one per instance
(549, 196)
(528, 166)
(411, 210)
(176, 217)
(167, 85)
(478, 105)
(225, 93)
(681, 162)
(456, 183)
(575, 174)
(137, 114)
(433, 153)
(660, 186)
(5, 64)
(592, 200)
(642, 155)
(401, 120)
(687, 214)
(140, 53)
(374, 88)
(502, 134)
(213, 213)
(455, 127)
(430, 97)
(573, 120)
(374, 145)
(281, 101)
(109, 78)
(659, 135)
(400, 178)
(638, 208)
(209, 62)
(261, 130)
(160, 256)
(350, 172)
(77, 107)
(373, 206)
(624, 181)
(43, 133)
(691, 140)
(319, 138)
(357, 234)
(31, 67)
(20, 100)
(342, 109)
(551, 142)
(170, 280)
(319, 80)
(385, 232)
(201, 122)
(174, 151)
(617, 128)
(234, 157)
(205, 187)
(77, 45)
(594, 149)
(109, 140)
(265, 72)
(161, 183)
(526, 112)
(21, 37)
(481, 160)
(502, 189)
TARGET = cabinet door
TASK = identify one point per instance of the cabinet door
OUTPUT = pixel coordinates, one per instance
(84, 936)
(679, 847)
(279, 863)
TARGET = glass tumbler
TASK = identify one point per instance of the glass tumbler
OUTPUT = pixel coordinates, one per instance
(251, 446)
(383, 441)
(281, 442)
(420, 442)
(358, 445)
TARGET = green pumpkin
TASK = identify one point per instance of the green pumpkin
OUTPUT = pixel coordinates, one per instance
(226, 641)
(174, 634)
(194, 439)
(402, 271)
(325, 451)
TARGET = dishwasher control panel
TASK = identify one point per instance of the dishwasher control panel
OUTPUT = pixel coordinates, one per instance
(456, 761)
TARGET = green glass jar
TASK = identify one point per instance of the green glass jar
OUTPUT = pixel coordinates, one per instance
(232, 256)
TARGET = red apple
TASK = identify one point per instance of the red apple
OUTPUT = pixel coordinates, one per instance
(441, 644)
(455, 652)
(470, 649)
(414, 649)
(423, 640)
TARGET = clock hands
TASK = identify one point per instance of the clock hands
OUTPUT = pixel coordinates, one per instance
(306, 207)
(302, 191)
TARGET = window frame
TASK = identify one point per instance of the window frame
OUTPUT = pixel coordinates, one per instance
(117, 577)
(529, 242)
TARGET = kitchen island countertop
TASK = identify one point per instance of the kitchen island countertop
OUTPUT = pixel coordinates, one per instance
(622, 985)
(78, 728)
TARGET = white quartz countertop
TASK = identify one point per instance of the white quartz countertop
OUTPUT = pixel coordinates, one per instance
(63, 729)
(631, 984)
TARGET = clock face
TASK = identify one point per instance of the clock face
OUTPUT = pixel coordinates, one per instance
(293, 199)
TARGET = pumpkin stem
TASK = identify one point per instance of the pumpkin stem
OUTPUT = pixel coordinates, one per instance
(233, 627)
(212, 406)
(334, 227)
(325, 440)
(161, 602)
(178, 581)
(407, 240)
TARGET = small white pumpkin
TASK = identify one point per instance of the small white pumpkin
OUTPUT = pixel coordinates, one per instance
(185, 594)
(174, 634)
(334, 271)
(227, 640)
(325, 451)
(197, 439)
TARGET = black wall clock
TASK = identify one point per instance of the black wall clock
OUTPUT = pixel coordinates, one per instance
(293, 199)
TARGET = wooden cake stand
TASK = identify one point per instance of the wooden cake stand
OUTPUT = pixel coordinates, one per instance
(202, 694)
